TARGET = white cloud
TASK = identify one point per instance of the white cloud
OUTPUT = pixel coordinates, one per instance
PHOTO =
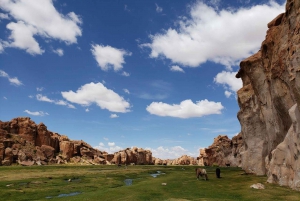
(125, 74)
(105, 138)
(97, 93)
(87, 110)
(1, 46)
(114, 116)
(61, 102)
(203, 35)
(227, 93)
(111, 144)
(40, 88)
(13, 80)
(30, 96)
(230, 83)
(158, 9)
(186, 109)
(4, 16)
(4, 98)
(109, 57)
(40, 97)
(22, 37)
(38, 113)
(39, 18)
(176, 69)
(172, 152)
(59, 52)
(110, 148)
(126, 91)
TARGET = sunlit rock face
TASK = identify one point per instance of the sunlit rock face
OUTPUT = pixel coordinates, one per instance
(271, 88)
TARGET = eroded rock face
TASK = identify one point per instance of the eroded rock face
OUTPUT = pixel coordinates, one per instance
(271, 86)
(223, 151)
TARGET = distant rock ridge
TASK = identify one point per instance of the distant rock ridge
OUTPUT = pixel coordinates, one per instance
(182, 160)
(223, 152)
(24, 142)
(269, 102)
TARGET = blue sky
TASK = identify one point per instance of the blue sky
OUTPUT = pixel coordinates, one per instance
(159, 75)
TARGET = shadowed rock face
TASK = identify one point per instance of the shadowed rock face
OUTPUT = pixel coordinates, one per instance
(271, 87)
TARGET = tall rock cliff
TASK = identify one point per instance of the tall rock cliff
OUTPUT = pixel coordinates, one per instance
(269, 102)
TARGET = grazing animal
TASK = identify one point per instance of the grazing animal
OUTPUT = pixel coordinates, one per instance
(201, 173)
(218, 172)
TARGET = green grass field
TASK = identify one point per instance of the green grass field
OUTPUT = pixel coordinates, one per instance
(108, 183)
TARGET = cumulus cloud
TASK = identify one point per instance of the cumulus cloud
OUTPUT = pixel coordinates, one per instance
(38, 113)
(172, 152)
(109, 57)
(41, 97)
(97, 93)
(22, 37)
(87, 110)
(13, 80)
(39, 18)
(176, 69)
(110, 148)
(203, 35)
(59, 52)
(186, 109)
(114, 116)
(230, 83)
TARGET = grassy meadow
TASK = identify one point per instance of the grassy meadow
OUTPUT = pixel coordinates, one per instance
(175, 183)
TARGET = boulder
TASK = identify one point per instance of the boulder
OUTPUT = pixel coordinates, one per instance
(67, 149)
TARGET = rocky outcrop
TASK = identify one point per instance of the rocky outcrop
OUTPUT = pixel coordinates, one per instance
(223, 151)
(271, 87)
(26, 143)
(137, 156)
(185, 160)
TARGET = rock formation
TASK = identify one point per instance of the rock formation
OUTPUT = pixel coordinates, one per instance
(26, 143)
(223, 152)
(137, 156)
(269, 102)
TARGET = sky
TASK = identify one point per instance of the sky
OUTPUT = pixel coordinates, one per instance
(159, 75)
